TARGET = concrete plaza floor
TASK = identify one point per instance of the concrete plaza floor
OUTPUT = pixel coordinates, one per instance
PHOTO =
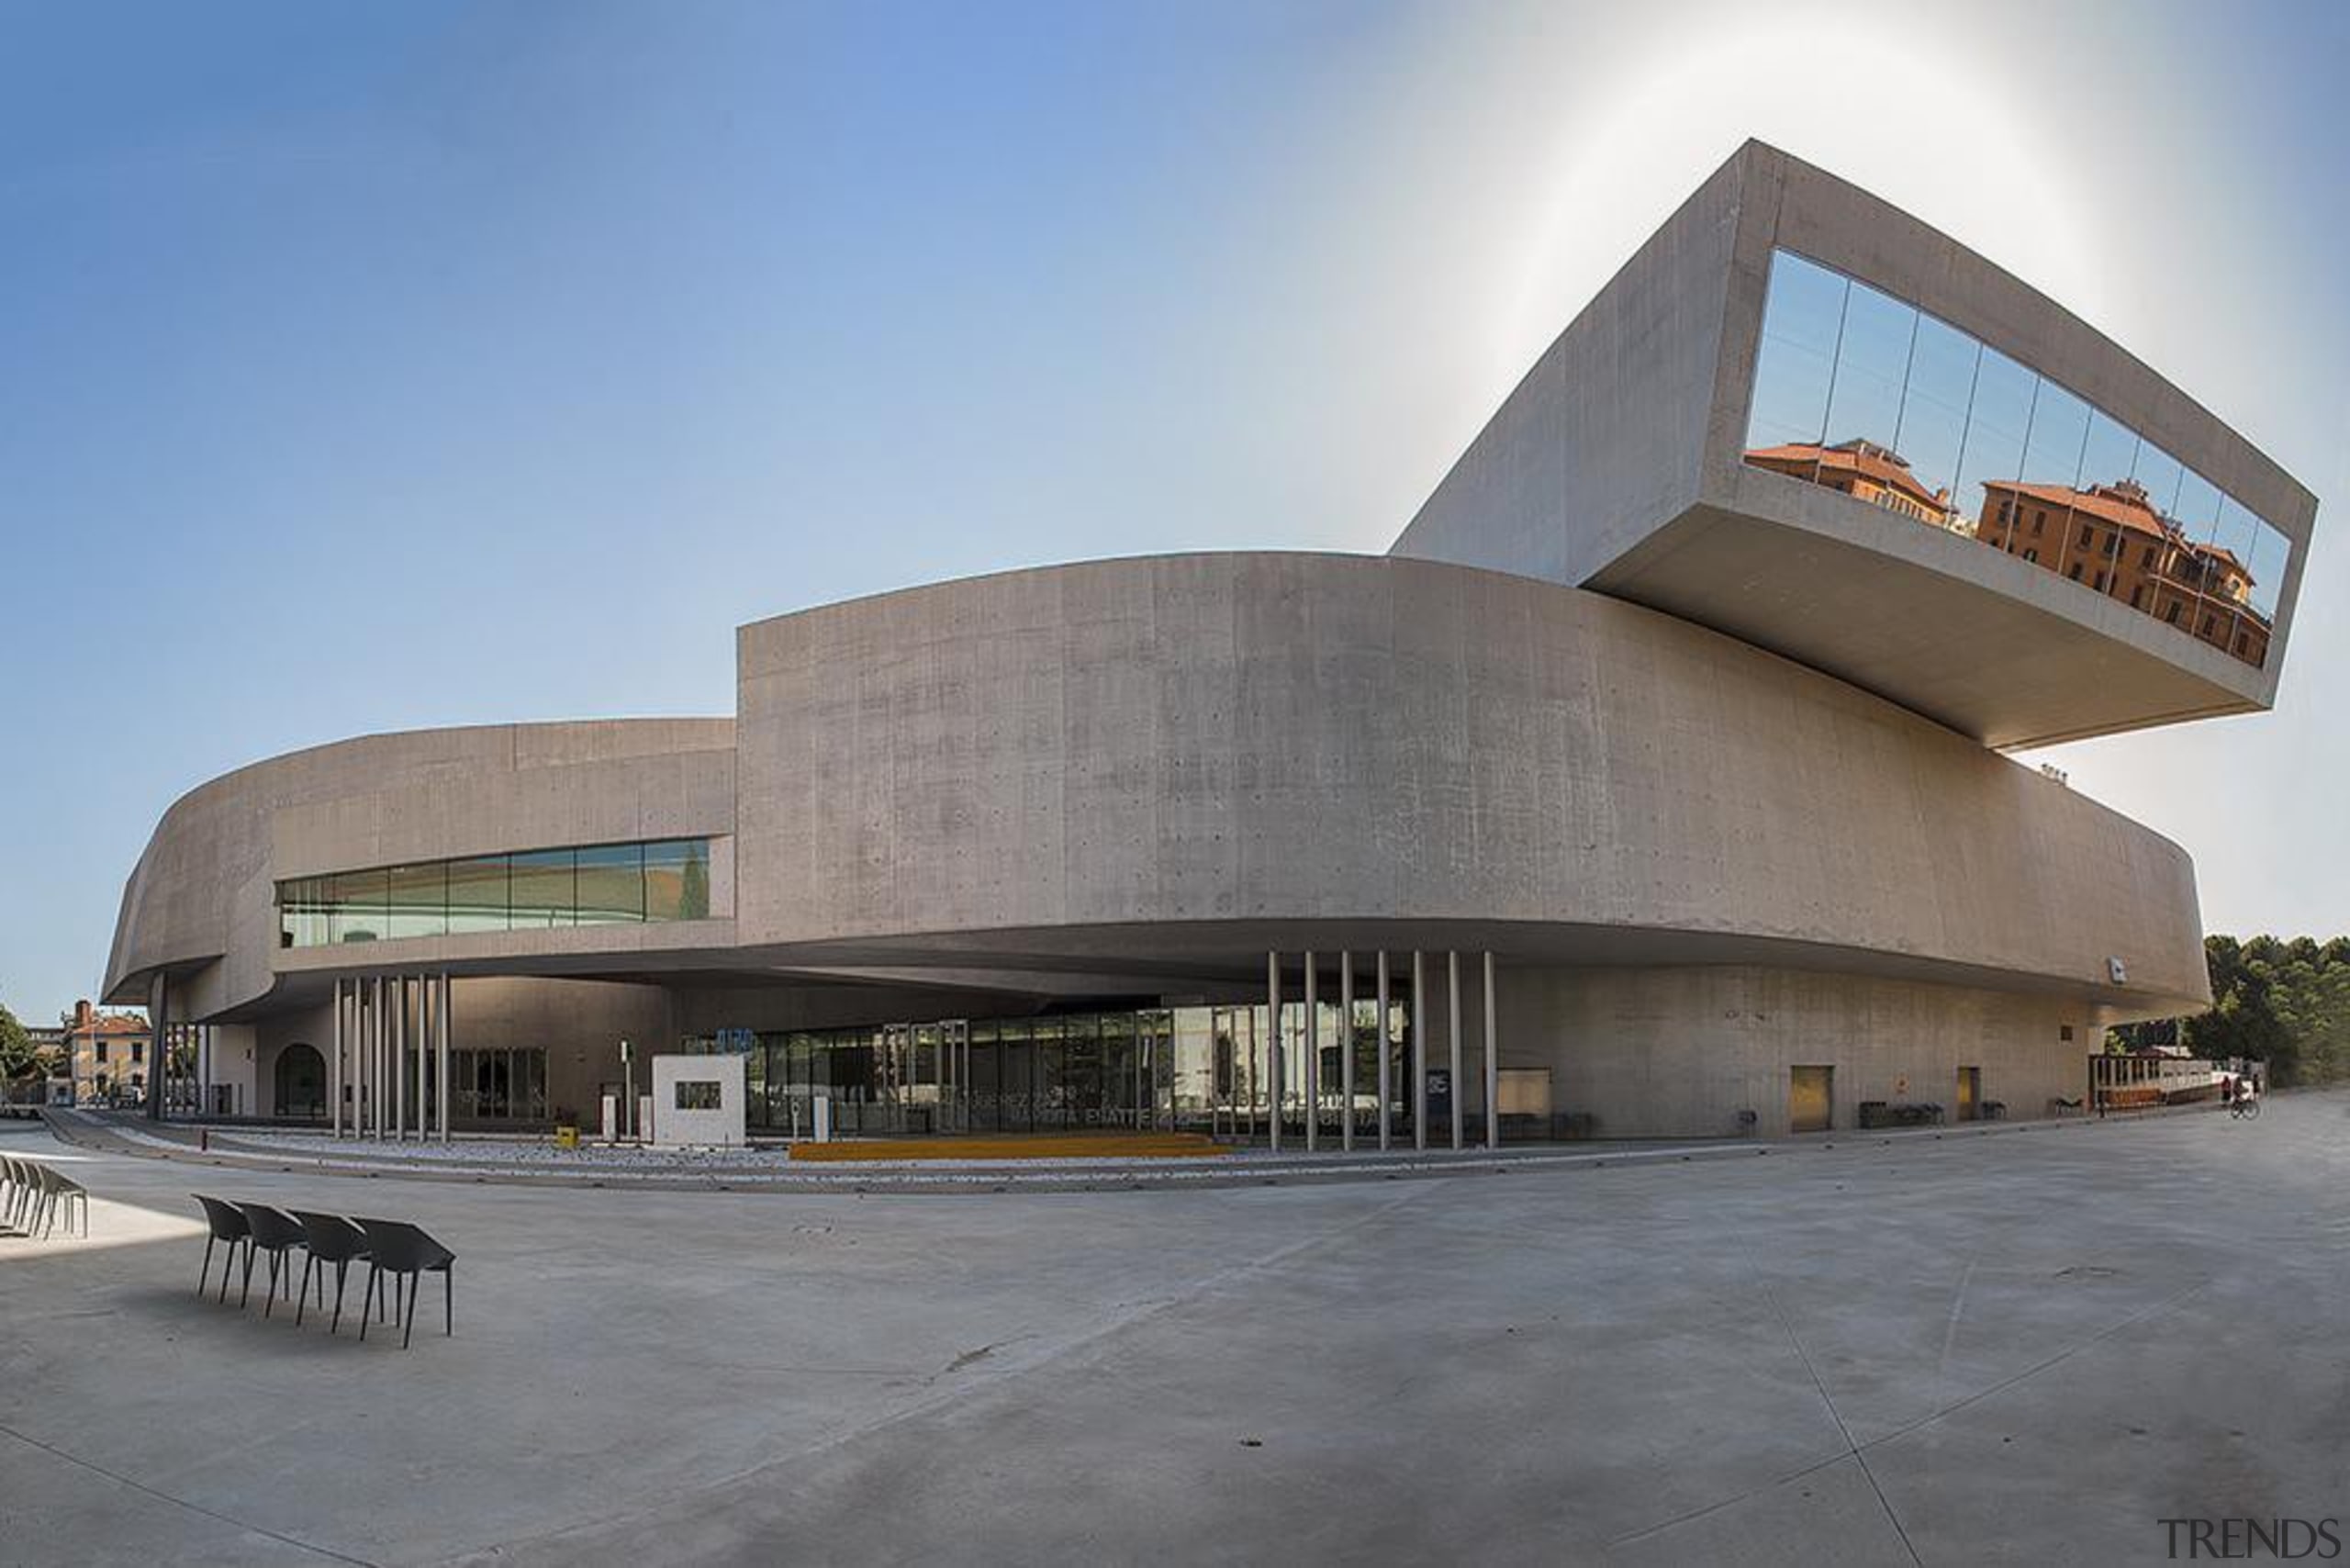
(2025, 1346)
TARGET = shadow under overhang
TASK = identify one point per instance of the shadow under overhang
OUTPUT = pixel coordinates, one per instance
(1949, 629)
(1222, 960)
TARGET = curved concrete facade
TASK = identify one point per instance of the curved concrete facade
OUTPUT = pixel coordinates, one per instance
(1134, 778)
(1712, 863)
(1214, 741)
(202, 900)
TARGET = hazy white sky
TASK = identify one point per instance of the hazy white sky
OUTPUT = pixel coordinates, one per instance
(363, 369)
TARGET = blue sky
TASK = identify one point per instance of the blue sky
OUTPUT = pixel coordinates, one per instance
(371, 367)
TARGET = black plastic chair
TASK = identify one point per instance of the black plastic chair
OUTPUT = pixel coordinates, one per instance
(27, 1195)
(17, 1180)
(59, 1195)
(406, 1253)
(24, 1193)
(228, 1223)
(330, 1238)
(276, 1233)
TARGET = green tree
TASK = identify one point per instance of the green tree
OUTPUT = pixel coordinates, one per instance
(2281, 1001)
(17, 1058)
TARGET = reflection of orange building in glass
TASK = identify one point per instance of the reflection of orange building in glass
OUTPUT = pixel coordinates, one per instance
(1865, 471)
(2112, 540)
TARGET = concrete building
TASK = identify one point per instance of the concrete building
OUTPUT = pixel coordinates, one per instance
(1639, 789)
(2111, 537)
(1865, 471)
(109, 1055)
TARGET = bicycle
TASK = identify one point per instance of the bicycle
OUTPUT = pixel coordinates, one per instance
(2246, 1108)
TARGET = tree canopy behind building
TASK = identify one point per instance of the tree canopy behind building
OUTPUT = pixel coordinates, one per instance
(2283, 1002)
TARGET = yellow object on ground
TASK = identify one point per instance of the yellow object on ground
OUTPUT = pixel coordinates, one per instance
(1029, 1146)
(566, 1138)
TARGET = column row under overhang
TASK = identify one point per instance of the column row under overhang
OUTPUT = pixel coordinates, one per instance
(1418, 1066)
(387, 1074)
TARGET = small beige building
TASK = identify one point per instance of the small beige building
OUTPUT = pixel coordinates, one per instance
(108, 1053)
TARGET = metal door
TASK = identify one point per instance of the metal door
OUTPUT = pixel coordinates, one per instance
(1970, 1093)
(1812, 1099)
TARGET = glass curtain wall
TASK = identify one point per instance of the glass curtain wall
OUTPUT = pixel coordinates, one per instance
(490, 1087)
(598, 885)
(504, 1085)
(1863, 394)
(1184, 1069)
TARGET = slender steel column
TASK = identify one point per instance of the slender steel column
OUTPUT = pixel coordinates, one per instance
(1313, 1061)
(374, 1113)
(1253, 1080)
(1492, 1066)
(1419, 1050)
(334, 1066)
(1273, 1044)
(412, 1059)
(423, 1053)
(400, 1058)
(359, 1055)
(1386, 1068)
(448, 999)
(1452, 997)
(381, 1033)
(426, 1004)
(1347, 1050)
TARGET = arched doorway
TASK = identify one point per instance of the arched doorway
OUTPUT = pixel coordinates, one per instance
(301, 1082)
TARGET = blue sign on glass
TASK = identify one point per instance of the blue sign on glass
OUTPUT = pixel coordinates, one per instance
(737, 1042)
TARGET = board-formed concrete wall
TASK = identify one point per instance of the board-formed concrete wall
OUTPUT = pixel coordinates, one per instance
(1046, 783)
(1135, 745)
(1606, 436)
(1680, 1052)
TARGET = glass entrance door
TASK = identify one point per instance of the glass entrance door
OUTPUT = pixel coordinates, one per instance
(954, 1051)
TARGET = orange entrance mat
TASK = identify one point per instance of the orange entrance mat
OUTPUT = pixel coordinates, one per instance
(1019, 1146)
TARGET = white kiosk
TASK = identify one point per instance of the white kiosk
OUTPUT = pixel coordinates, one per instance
(698, 1102)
